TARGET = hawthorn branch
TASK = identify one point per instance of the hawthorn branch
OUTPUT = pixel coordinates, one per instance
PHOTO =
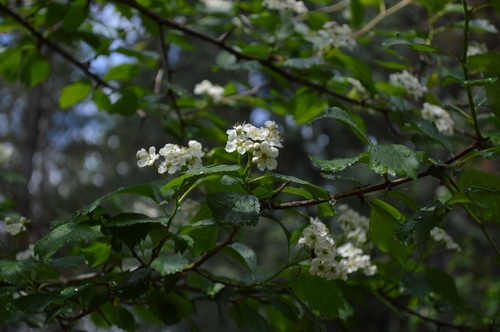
(265, 62)
(194, 266)
(54, 46)
(360, 192)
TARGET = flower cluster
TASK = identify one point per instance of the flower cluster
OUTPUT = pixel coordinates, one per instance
(440, 235)
(337, 35)
(409, 82)
(296, 6)
(440, 117)
(325, 264)
(262, 143)
(16, 226)
(26, 254)
(206, 87)
(175, 158)
(354, 259)
(221, 6)
(354, 225)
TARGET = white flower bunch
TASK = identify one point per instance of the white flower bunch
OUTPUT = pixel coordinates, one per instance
(296, 6)
(440, 235)
(325, 264)
(262, 143)
(354, 225)
(16, 226)
(206, 87)
(355, 260)
(221, 6)
(440, 117)
(476, 48)
(26, 254)
(175, 158)
(337, 35)
(409, 82)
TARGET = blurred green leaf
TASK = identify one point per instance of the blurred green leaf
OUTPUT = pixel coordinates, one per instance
(11, 269)
(444, 285)
(34, 303)
(234, 209)
(243, 255)
(429, 128)
(97, 253)
(324, 296)
(35, 69)
(75, 15)
(125, 71)
(74, 93)
(344, 117)
(10, 62)
(384, 220)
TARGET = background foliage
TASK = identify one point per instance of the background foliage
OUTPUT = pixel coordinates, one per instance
(86, 84)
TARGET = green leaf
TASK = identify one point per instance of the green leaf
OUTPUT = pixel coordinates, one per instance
(131, 234)
(10, 62)
(493, 96)
(127, 219)
(395, 159)
(483, 192)
(243, 255)
(126, 105)
(134, 285)
(11, 270)
(303, 63)
(166, 264)
(35, 70)
(34, 303)
(123, 72)
(97, 253)
(486, 62)
(342, 116)
(205, 237)
(444, 285)
(335, 165)
(415, 284)
(306, 104)
(234, 209)
(429, 128)
(416, 229)
(357, 11)
(79, 232)
(315, 191)
(324, 296)
(125, 320)
(74, 93)
(247, 314)
(75, 16)
(384, 220)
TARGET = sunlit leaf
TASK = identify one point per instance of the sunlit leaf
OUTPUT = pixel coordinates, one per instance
(74, 93)
(35, 70)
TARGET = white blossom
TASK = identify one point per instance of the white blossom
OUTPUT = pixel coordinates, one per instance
(221, 6)
(262, 143)
(336, 35)
(296, 6)
(355, 260)
(206, 87)
(476, 48)
(440, 235)
(354, 225)
(440, 117)
(174, 157)
(409, 82)
(16, 226)
(145, 158)
(26, 254)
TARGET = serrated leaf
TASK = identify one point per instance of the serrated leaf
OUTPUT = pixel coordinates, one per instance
(324, 296)
(134, 285)
(63, 234)
(424, 47)
(342, 116)
(335, 165)
(132, 234)
(74, 93)
(429, 128)
(243, 255)
(315, 191)
(384, 220)
(234, 209)
(166, 264)
(395, 159)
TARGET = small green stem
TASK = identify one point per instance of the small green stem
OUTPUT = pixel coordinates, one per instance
(470, 97)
